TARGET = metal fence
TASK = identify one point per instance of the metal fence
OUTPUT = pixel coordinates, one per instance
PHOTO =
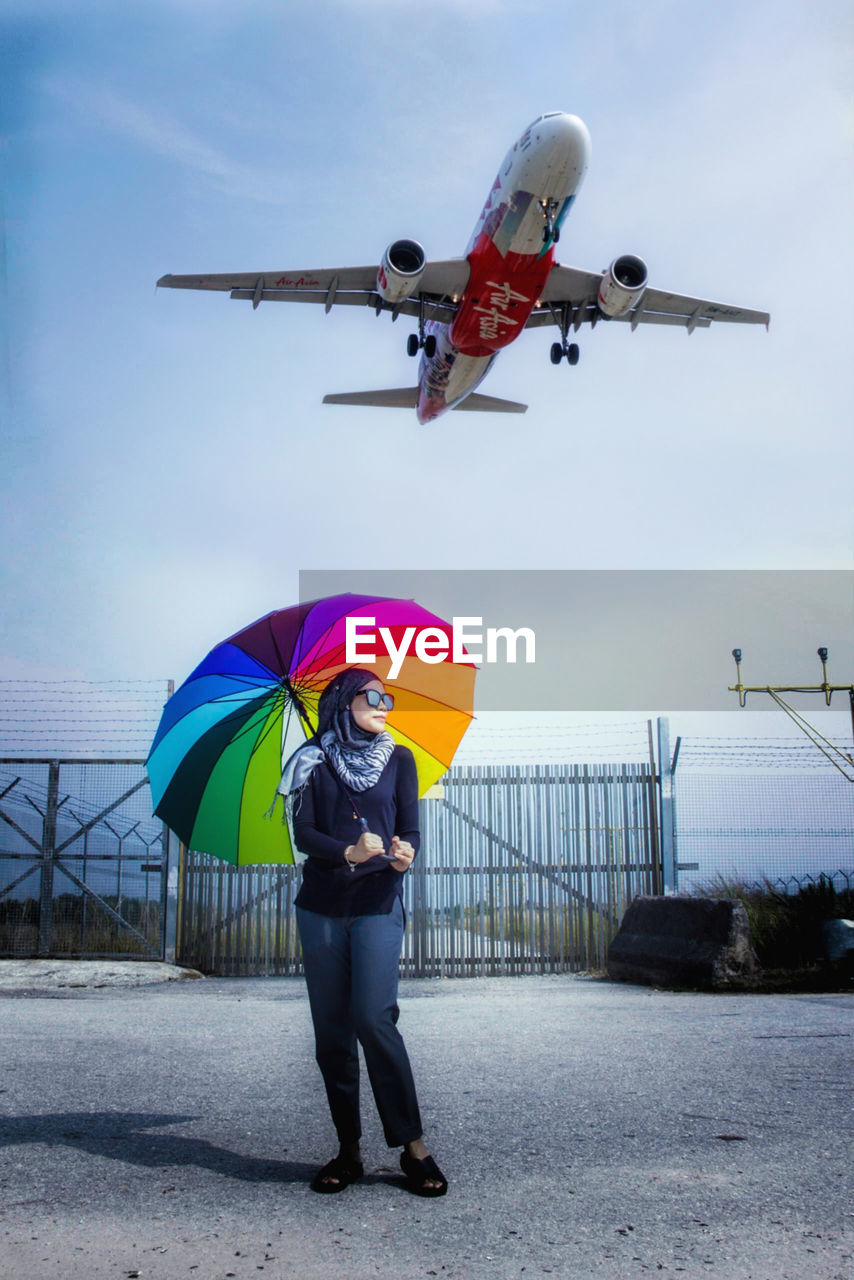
(524, 870)
(82, 861)
(521, 870)
(762, 814)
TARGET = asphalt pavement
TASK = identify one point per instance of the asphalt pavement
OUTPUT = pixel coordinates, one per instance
(588, 1129)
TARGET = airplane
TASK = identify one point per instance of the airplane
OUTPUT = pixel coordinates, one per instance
(469, 308)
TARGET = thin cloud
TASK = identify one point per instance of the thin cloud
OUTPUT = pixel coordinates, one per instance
(163, 135)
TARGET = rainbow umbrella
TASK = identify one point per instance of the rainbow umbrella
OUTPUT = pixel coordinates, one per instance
(217, 756)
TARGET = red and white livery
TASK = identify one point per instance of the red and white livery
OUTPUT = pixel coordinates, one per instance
(468, 308)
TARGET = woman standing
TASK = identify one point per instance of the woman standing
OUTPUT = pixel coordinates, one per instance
(354, 801)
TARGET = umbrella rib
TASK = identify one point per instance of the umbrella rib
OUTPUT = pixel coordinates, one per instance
(273, 637)
(248, 724)
(236, 676)
(300, 655)
(246, 682)
(287, 708)
(220, 699)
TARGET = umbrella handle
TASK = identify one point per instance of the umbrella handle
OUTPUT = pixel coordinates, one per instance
(389, 857)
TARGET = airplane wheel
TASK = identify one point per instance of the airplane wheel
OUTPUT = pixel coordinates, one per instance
(556, 353)
(430, 346)
(412, 344)
(573, 353)
(556, 234)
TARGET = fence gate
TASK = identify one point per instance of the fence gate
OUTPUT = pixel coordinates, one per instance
(521, 871)
(82, 861)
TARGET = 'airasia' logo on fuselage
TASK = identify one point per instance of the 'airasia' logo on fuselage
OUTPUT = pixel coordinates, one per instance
(495, 315)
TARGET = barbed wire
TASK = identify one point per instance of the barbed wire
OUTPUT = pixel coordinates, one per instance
(85, 718)
(80, 717)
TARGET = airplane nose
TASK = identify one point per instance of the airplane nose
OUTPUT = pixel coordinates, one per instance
(572, 133)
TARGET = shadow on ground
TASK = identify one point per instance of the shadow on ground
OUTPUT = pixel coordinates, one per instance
(127, 1136)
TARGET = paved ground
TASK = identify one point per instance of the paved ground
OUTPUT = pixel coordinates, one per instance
(588, 1129)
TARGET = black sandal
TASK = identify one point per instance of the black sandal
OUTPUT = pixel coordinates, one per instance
(342, 1170)
(419, 1172)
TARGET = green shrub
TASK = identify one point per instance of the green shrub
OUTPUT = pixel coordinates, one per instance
(786, 927)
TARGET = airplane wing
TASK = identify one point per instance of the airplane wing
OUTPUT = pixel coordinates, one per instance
(574, 290)
(439, 285)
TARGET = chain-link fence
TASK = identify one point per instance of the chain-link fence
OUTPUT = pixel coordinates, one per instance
(753, 813)
(82, 861)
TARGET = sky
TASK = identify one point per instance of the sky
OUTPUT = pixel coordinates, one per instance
(168, 468)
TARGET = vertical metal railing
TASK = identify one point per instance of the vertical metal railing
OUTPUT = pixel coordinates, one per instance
(521, 870)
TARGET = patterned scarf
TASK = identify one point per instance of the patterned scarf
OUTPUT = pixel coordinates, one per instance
(358, 766)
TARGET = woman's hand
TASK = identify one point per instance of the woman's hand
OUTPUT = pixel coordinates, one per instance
(367, 846)
(402, 854)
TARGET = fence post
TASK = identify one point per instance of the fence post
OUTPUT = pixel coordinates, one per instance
(48, 860)
(666, 811)
(171, 882)
(655, 842)
(171, 890)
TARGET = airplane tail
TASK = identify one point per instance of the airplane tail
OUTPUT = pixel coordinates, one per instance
(407, 398)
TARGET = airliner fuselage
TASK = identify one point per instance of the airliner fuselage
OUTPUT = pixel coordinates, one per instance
(511, 253)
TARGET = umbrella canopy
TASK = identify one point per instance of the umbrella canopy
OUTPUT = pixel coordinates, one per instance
(217, 757)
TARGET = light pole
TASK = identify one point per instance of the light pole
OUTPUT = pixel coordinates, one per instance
(774, 691)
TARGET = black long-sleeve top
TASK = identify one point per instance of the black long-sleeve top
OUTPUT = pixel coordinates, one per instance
(325, 825)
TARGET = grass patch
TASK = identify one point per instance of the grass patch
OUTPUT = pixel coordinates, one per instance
(786, 931)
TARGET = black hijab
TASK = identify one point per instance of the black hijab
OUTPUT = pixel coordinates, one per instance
(333, 709)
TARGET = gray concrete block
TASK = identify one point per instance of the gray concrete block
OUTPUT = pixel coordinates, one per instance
(838, 939)
(682, 941)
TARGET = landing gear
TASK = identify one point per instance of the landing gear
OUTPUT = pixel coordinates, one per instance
(564, 318)
(550, 210)
(561, 349)
(416, 341)
(414, 345)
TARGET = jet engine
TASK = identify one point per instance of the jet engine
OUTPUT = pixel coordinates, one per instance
(622, 285)
(400, 270)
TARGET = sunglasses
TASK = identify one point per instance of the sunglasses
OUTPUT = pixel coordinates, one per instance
(377, 699)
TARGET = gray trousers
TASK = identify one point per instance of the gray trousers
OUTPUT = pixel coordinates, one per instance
(351, 970)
